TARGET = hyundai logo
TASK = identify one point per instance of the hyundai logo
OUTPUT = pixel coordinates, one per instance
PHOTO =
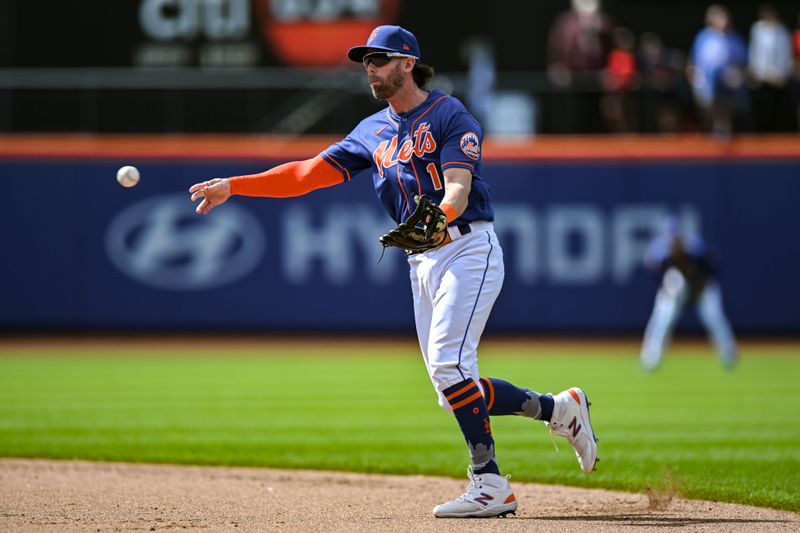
(163, 243)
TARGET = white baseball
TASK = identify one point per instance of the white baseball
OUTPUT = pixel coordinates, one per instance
(128, 176)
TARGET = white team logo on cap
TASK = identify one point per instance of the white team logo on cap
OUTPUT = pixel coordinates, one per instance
(471, 146)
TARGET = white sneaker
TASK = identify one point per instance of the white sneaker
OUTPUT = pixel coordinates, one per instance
(486, 495)
(571, 420)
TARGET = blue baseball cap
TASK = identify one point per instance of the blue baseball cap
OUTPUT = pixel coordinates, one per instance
(391, 39)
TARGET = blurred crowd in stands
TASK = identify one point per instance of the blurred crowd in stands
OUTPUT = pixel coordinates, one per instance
(725, 83)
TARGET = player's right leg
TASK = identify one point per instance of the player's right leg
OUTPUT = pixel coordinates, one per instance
(458, 284)
(486, 495)
(423, 308)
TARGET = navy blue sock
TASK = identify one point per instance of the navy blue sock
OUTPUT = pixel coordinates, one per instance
(470, 410)
(547, 403)
(503, 398)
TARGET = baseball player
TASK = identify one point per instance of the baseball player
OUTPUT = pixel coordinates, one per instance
(424, 153)
(687, 275)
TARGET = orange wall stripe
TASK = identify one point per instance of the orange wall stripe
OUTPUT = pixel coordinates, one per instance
(278, 148)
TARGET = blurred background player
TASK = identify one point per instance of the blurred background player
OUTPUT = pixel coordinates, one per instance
(682, 260)
(426, 143)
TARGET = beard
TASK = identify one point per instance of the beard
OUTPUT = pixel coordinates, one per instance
(386, 88)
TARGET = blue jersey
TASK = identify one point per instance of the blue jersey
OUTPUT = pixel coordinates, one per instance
(659, 250)
(408, 153)
(684, 251)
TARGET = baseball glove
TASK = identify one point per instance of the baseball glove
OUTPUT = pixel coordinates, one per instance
(423, 230)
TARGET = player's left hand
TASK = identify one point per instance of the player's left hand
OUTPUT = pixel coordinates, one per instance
(425, 228)
(213, 192)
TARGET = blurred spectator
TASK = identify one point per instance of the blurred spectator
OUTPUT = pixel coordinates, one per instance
(716, 71)
(478, 53)
(687, 276)
(620, 81)
(666, 97)
(578, 47)
(771, 68)
(579, 42)
(796, 47)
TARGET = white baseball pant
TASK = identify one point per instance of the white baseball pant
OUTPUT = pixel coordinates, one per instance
(454, 288)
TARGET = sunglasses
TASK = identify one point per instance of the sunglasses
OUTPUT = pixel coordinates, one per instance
(380, 59)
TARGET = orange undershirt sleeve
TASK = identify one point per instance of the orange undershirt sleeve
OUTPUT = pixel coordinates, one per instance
(290, 179)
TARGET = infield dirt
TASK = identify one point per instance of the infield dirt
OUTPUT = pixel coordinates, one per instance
(42, 495)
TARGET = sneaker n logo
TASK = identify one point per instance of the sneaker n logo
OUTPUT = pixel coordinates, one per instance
(483, 499)
(574, 426)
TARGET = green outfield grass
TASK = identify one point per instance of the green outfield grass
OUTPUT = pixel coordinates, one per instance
(732, 436)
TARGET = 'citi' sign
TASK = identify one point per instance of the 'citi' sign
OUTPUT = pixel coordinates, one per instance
(319, 33)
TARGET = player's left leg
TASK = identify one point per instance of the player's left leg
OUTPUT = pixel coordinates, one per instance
(503, 398)
(709, 308)
(567, 414)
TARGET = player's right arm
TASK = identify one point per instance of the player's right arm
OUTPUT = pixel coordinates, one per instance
(333, 166)
(290, 179)
(213, 192)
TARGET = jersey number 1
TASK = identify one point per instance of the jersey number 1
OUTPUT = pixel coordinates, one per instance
(434, 173)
